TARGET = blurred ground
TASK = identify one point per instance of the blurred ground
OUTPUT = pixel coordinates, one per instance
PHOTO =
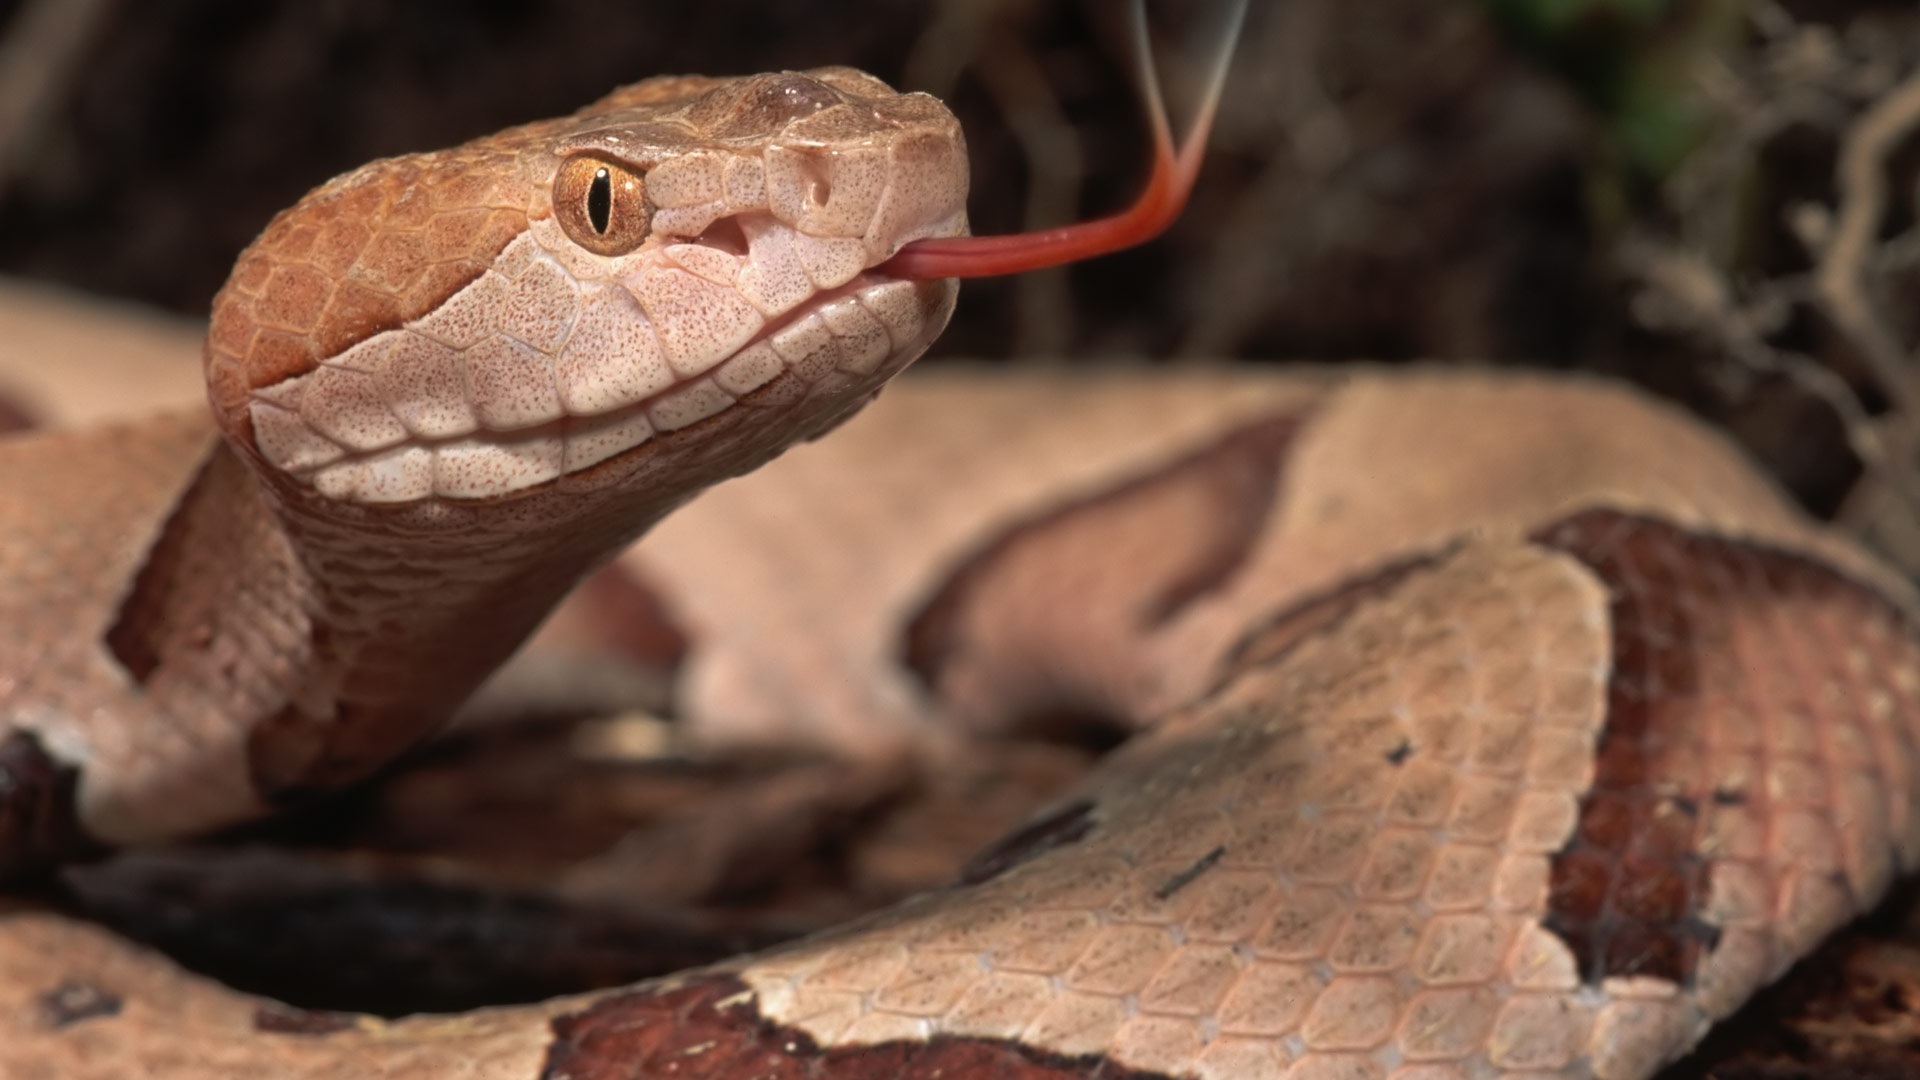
(1712, 198)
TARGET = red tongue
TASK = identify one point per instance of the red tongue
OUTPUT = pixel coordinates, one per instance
(1156, 208)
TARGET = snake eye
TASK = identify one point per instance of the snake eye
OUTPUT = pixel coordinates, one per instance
(602, 205)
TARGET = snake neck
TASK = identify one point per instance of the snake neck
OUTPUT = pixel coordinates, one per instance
(325, 639)
(409, 613)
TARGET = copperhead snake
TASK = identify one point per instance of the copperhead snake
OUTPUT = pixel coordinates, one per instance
(1492, 725)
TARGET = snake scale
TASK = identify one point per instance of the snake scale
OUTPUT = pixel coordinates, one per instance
(1490, 726)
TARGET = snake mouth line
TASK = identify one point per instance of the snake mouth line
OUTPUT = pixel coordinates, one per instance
(851, 328)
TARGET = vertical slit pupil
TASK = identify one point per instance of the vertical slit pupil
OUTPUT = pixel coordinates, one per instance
(600, 200)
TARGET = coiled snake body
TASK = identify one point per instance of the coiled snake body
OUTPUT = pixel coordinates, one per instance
(1497, 726)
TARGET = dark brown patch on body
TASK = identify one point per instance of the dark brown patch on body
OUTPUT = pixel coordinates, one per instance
(330, 941)
(71, 1003)
(1633, 874)
(14, 416)
(278, 1019)
(218, 619)
(1279, 635)
(1697, 624)
(618, 611)
(1187, 877)
(711, 1029)
(1047, 617)
(1066, 825)
(167, 603)
(38, 823)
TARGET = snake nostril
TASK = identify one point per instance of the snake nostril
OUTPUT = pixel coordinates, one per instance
(815, 172)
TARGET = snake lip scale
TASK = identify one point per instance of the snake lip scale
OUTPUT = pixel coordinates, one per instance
(1490, 725)
(378, 476)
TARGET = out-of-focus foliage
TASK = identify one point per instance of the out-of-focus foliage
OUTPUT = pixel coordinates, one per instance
(1633, 61)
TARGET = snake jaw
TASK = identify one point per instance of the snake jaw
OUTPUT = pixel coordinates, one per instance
(771, 199)
(408, 416)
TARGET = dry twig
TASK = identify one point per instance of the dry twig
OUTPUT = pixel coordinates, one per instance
(1840, 281)
(1854, 86)
(39, 56)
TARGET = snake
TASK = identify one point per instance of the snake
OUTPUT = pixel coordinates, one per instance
(1484, 725)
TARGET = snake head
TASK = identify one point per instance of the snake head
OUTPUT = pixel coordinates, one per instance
(683, 272)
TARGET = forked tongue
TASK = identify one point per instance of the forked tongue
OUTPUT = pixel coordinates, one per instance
(1166, 194)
